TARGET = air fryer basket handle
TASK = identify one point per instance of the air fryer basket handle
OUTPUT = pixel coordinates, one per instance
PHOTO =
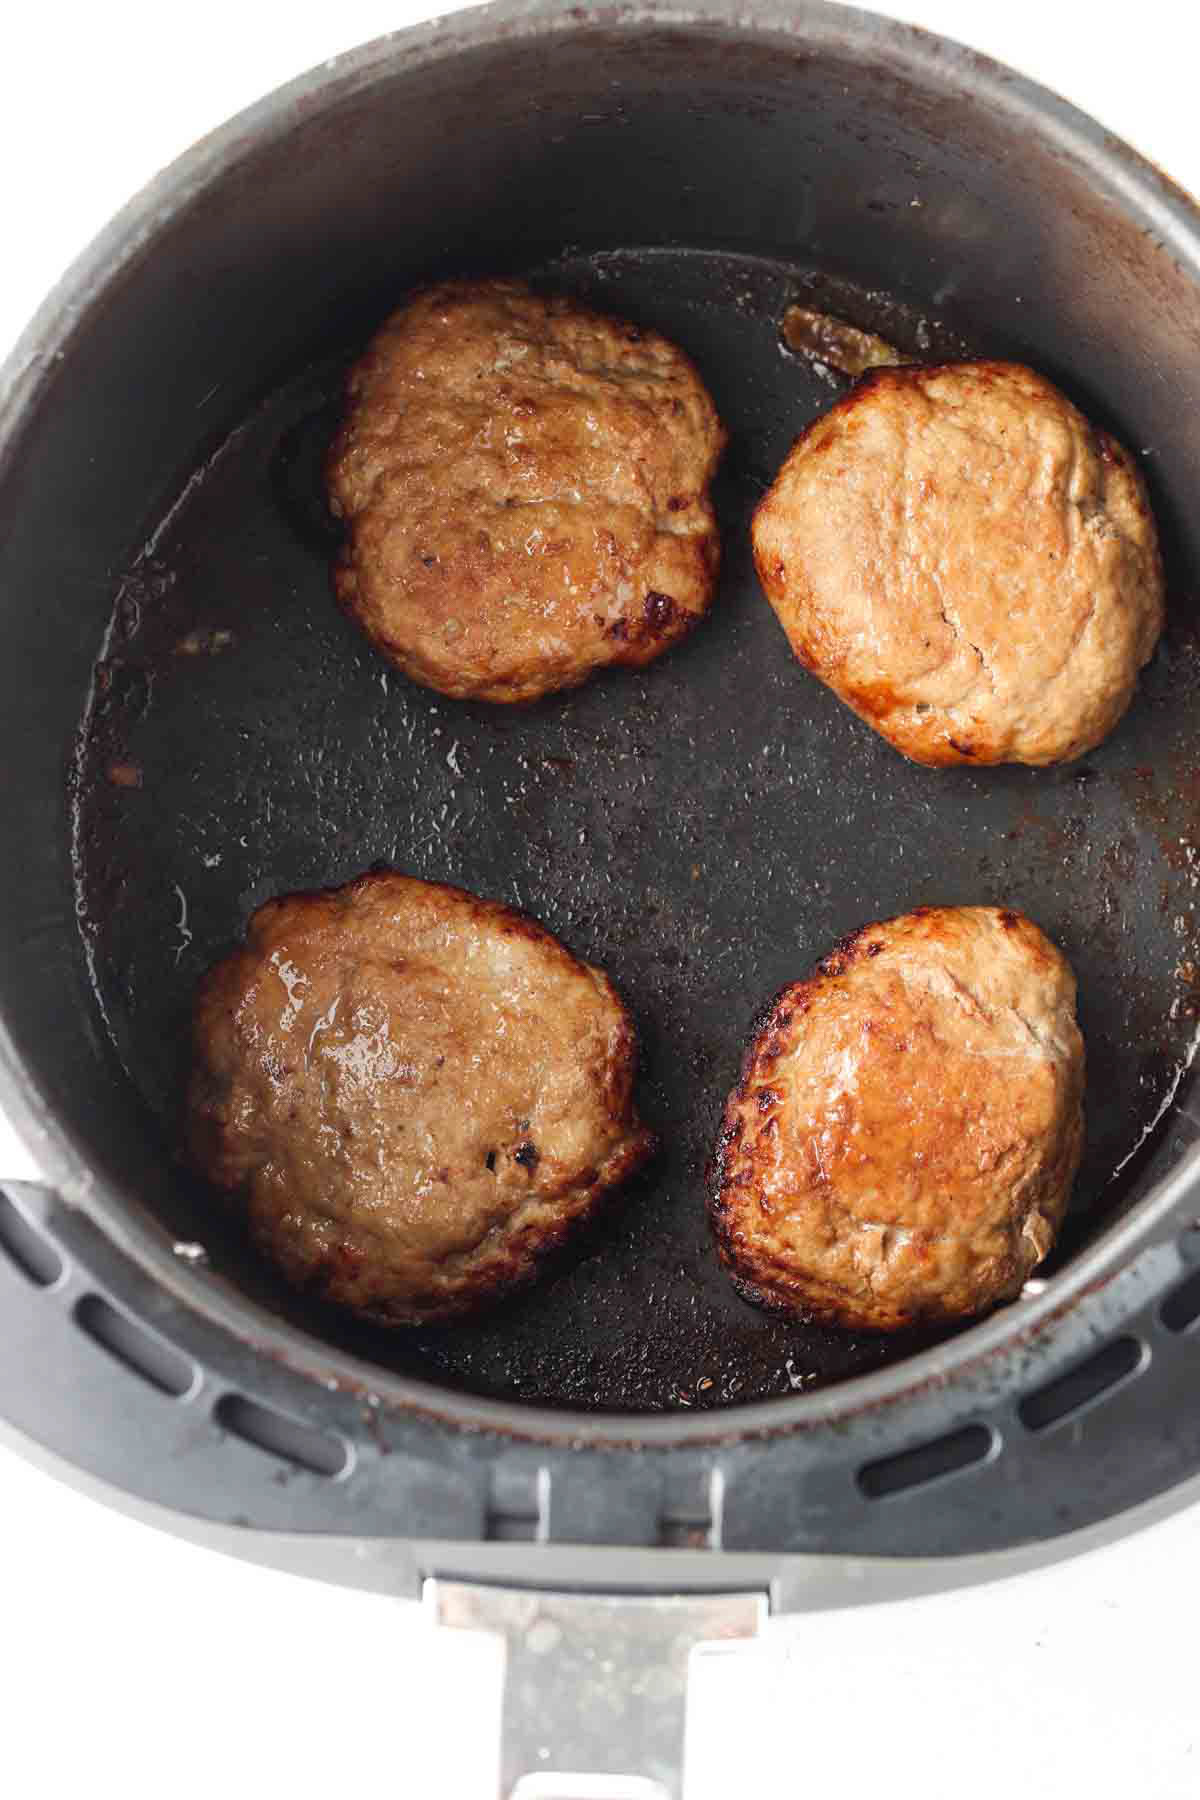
(595, 1685)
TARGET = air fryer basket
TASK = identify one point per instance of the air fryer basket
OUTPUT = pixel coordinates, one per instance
(704, 829)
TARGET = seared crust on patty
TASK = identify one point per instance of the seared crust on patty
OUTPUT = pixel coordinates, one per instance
(967, 563)
(901, 1146)
(525, 488)
(419, 1093)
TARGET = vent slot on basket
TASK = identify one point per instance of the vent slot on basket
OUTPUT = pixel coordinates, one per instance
(37, 1260)
(1181, 1308)
(928, 1462)
(1086, 1383)
(280, 1435)
(141, 1351)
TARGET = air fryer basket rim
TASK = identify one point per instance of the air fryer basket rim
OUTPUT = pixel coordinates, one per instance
(1114, 168)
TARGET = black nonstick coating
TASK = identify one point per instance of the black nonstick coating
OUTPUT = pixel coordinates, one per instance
(705, 830)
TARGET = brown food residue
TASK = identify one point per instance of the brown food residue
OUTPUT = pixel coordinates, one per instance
(835, 343)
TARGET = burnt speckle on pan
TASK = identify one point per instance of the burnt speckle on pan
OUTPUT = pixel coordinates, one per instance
(705, 830)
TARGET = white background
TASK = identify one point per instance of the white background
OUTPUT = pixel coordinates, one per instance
(137, 1665)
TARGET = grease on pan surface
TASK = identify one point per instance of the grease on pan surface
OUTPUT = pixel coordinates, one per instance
(645, 818)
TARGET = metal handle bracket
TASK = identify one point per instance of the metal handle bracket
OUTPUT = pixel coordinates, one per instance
(595, 1684)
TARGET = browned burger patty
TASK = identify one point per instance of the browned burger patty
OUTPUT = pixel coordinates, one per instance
(967, 563)
(902, 1143)
(419, 1092)
(525, 487)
